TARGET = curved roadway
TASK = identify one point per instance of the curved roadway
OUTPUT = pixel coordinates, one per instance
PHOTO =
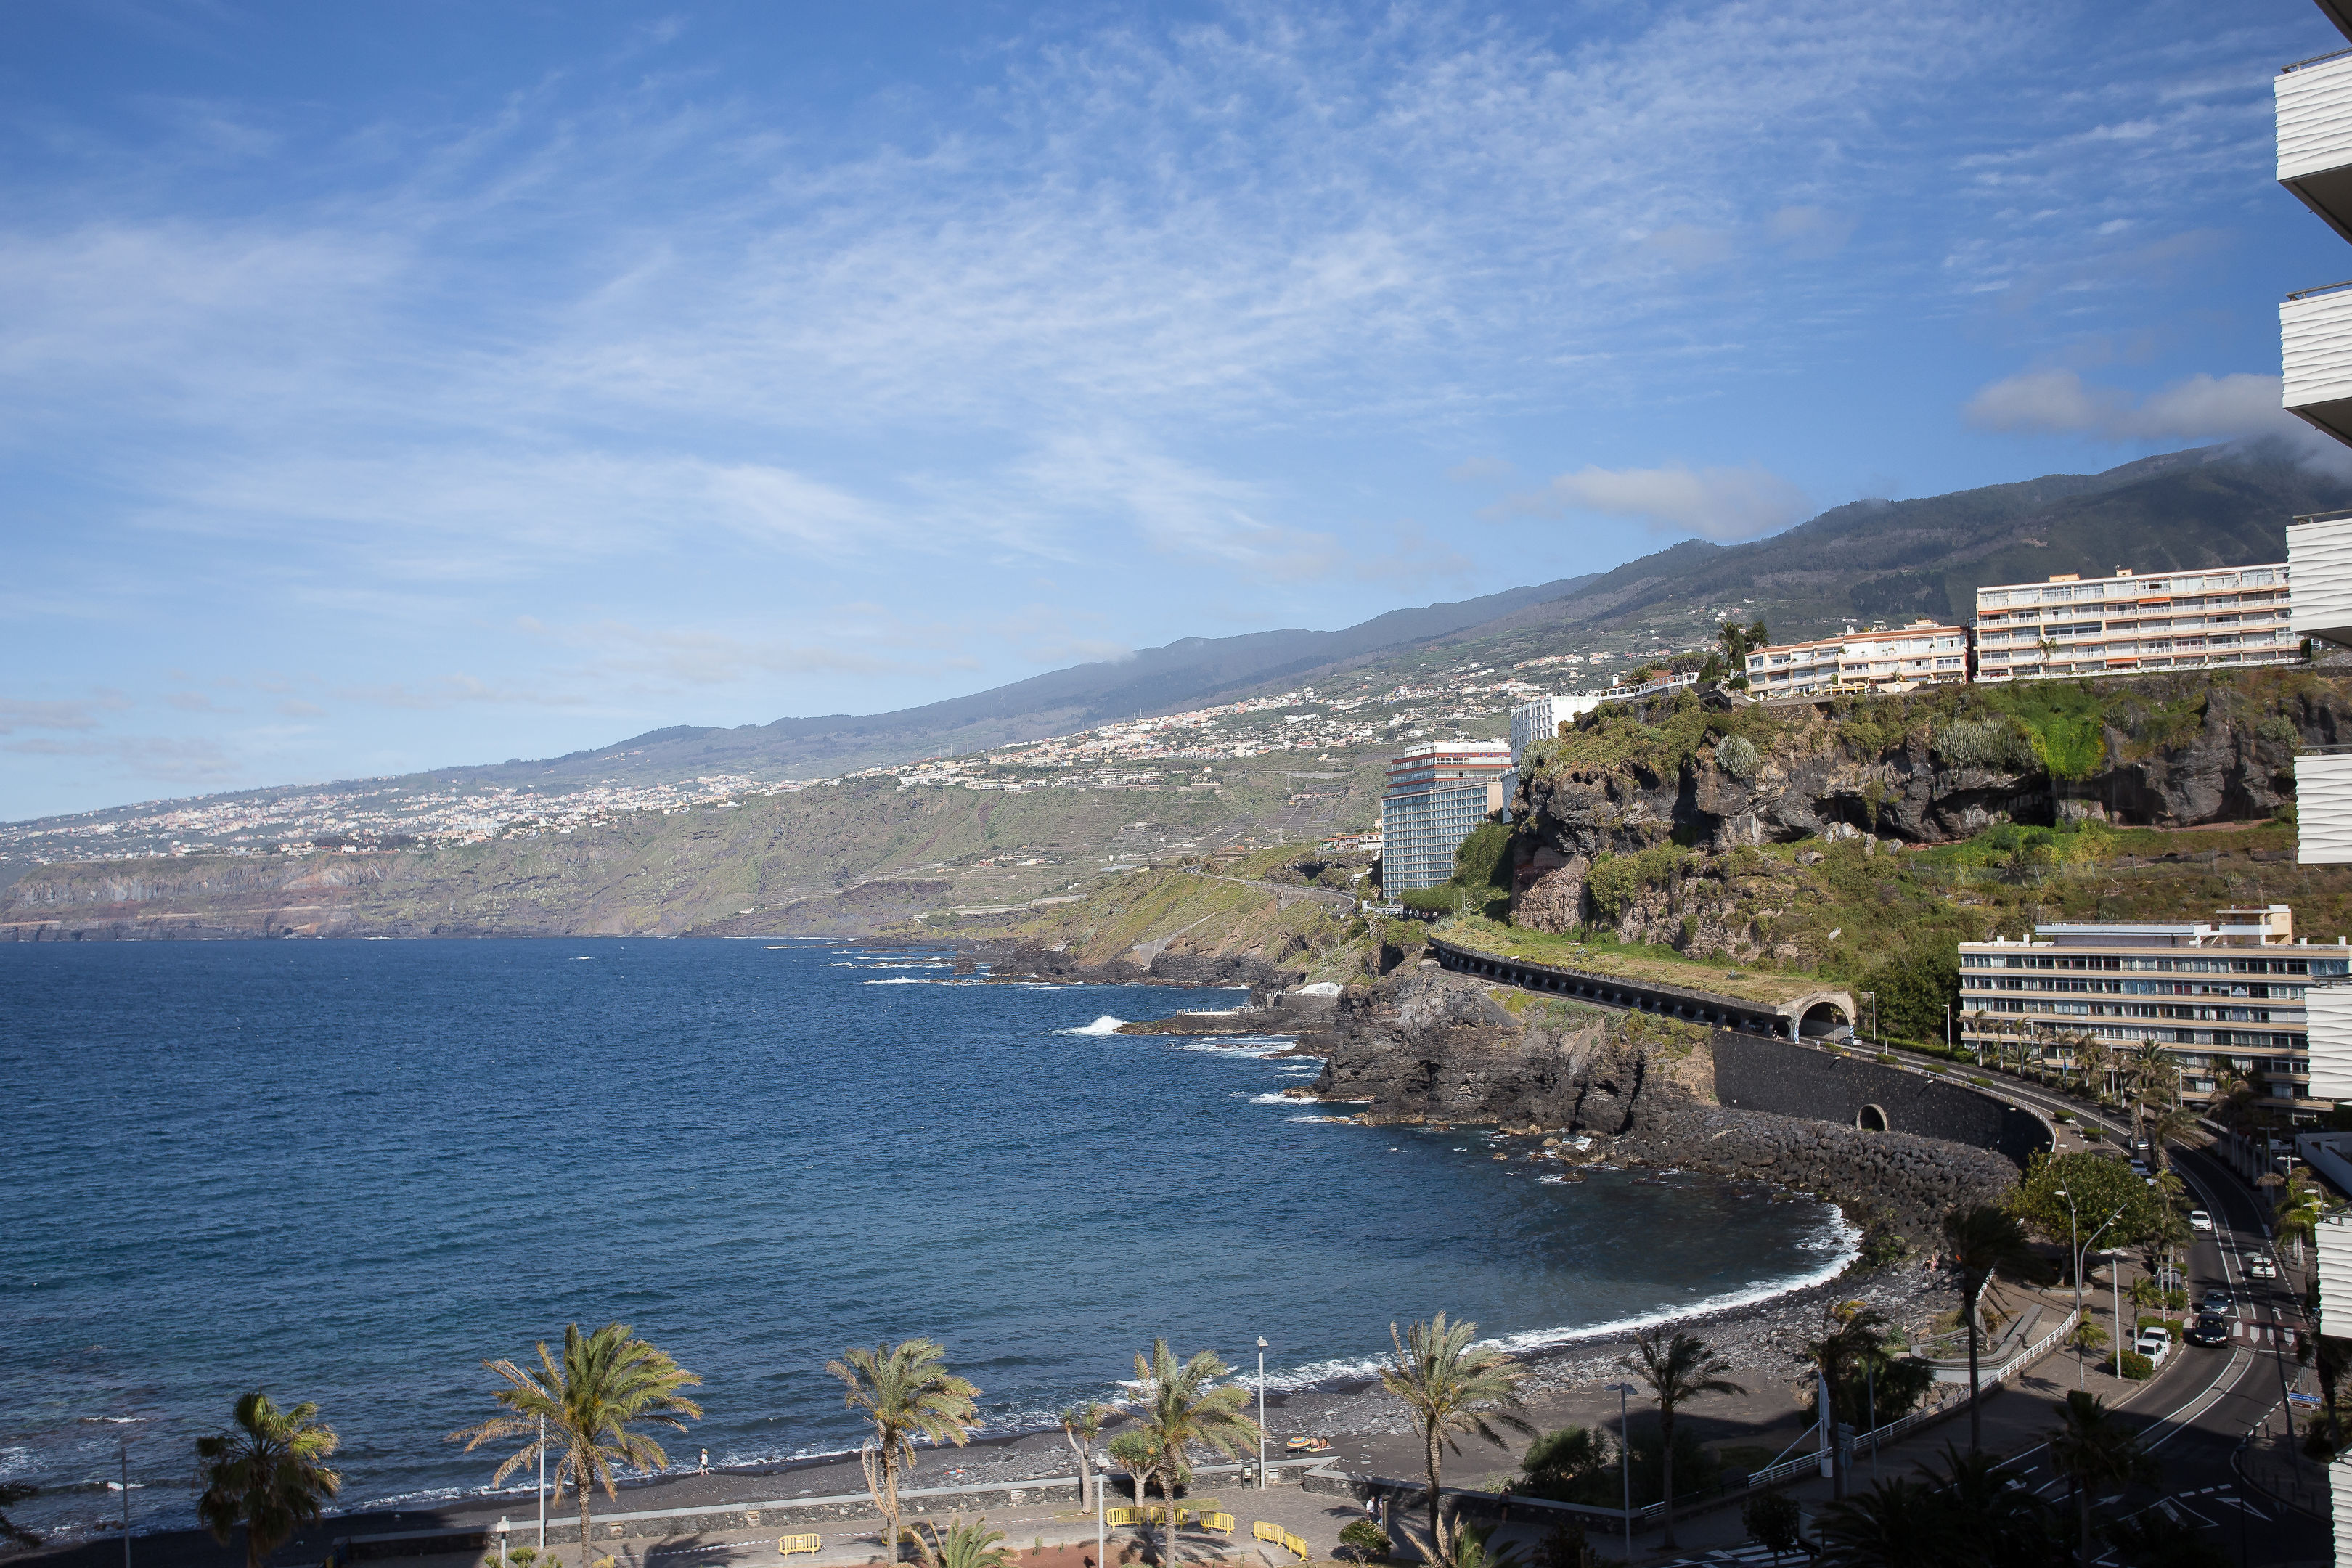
(2196, 1413)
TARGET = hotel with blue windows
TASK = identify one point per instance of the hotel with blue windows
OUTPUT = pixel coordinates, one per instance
(1438, 795)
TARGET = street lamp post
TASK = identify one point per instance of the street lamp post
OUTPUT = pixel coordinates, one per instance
(2077, 1248)
(122, 1463)
(542, 1487)
(2115, 1285)
(1948, 1046)
(1625, 1458)
(502, 1540)
(1261, 1413)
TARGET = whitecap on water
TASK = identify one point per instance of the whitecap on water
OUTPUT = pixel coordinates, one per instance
(900, 980)
(1106, 1025)
(845, 964)
(1273, 1100)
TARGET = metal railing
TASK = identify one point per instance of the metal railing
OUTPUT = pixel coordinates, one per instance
(2323, 288)
(2314, 60)
(1877, 1438)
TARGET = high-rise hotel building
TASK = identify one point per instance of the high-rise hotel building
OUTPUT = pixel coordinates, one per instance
(2314, 164)
(1438, 795)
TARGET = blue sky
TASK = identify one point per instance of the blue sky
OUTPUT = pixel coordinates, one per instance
(388, 387)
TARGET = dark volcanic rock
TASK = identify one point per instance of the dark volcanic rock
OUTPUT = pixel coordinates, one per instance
(1436, 1046)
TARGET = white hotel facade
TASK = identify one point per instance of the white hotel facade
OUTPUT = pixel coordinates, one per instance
(2315, 165)
(2074, 627)
(1921, 654)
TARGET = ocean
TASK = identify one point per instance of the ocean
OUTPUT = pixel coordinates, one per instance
(350, 1171)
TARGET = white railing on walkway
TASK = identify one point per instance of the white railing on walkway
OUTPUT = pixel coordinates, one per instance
(1877, 1438)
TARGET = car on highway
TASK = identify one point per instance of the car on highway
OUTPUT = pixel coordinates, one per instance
(2199, 1220)
(2154, 1344)
(2259, 1267)
(2216, 1299)
(2211, 1328)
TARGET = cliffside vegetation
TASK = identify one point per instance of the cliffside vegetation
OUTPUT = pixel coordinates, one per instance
(1861, 843)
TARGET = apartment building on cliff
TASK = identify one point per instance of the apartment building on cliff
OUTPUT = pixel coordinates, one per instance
(1921, 654)
(2071, 626)
(1437, 794)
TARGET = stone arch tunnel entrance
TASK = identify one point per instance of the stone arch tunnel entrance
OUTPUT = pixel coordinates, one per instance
(1871, 1119)
(1822, 1020)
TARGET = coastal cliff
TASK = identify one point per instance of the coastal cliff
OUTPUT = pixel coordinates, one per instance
(1425, 1046)
(1720, 828)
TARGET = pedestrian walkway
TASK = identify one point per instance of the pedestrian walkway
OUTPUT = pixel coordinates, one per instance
(2274, 1464)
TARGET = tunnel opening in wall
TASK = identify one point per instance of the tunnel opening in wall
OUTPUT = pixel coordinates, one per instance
(1871, 1119)
(1822, 1020)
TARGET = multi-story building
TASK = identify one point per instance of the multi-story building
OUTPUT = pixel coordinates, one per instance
(1921, 654)
(2315, 165)
(1438, 795)
(2075, 625)
(2224, 996)
(1540, 720)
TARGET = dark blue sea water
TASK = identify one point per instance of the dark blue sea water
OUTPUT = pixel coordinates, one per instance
(350, 1171)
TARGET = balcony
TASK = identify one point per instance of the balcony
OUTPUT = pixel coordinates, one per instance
(2328, 1012)
(2315, 351)
(2319, 563)
(2315, 137)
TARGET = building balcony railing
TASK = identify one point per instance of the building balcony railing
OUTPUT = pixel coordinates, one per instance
(2315, 351)
(2314, 136)
(2319, 559)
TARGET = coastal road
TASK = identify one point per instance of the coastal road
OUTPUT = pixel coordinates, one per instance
(1288, 890)
(2195, 1414)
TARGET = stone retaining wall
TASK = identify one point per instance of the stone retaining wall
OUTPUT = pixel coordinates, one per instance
(1756, 1074)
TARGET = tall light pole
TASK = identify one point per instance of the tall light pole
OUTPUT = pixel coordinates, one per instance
(502, 1540)
(1947, 1051)
(2077, 1248)
(122, 1461)
(1261, 1413)
(1626, 1460)
(542, 1487)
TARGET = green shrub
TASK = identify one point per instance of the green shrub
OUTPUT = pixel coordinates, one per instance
(1998, 742)
(1367, 1541)
(1737, 755)
(2137, 1367)
(1887, 1056)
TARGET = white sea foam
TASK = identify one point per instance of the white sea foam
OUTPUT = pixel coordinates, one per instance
(845, 964)
(1106, 1025)
(1273, 1100)
(899, 980)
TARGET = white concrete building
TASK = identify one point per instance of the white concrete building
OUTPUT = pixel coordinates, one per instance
(1540, 720)
(1438, 795)
(1921, 654)
(2074, 625)
(2228, 995)
(2314, 164)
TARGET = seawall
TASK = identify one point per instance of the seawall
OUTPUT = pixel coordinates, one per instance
(1756, 1074)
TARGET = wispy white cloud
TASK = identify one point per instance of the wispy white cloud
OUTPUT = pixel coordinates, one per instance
(1713, 503)
(2196, 408)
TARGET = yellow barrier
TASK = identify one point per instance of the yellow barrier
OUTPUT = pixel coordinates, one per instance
(1217, 1522)
(1266, 1531)
(1123, 1516)
(1295, 1544)
(790, 1545)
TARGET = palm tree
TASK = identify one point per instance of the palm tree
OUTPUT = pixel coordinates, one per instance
(2092, 1056)
(1836, 1357)
(2091, 1449)
(580, 1411)
(1983, 1241)
(961, 1545)
(267, 1472)
(1451, 1386)
(2172, 1121)
(1182, 1408)
(1994, 1515)
(1082, 1423)
(1679, 1370)
(902, 1391)
(1894, 1524)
